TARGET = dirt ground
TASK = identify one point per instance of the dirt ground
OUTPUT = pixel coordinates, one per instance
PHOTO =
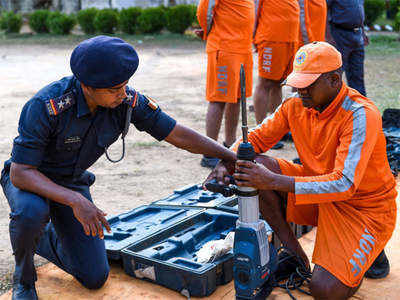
(173, 75)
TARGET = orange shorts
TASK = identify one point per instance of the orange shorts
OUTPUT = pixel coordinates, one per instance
(223, 76)
(349, 237)
(275, 59)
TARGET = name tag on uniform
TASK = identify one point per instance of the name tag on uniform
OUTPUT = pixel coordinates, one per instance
(72, 140)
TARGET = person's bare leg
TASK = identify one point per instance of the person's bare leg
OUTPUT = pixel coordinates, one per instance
(325, 285)
(231, 121)
(260, 100)
(267, 97)
(274, 95)
(272, 210)
(214, 116)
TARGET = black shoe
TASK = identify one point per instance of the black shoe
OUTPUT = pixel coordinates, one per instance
(278, 145)
(226, 145)
(297, 161)
(209, 162)
(380, 267)
(24, 292)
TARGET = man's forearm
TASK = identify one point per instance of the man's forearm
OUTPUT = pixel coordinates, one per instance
(30, 179)
(283, 183)
(190, 140)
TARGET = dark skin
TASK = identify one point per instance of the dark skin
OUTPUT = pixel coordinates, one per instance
(28, 178)
(266, 176)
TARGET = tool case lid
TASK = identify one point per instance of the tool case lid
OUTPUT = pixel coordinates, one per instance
(139, 223)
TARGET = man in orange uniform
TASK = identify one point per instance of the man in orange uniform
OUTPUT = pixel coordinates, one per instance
(227, 26)
(276, 40)
(344, 185)
(312, 21)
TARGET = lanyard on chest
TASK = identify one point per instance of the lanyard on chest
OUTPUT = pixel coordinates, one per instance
(124, 133)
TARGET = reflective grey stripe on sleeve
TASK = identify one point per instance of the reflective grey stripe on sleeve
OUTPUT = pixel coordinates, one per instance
(303, 28)
(353, 156)
(290, 95)
(210, 15)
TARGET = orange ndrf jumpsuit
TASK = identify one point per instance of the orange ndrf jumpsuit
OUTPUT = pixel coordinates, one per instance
(344, 185)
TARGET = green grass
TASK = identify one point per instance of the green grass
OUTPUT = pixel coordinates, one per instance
(384, 44)
(382, 71)
(163, 39)
(382, 21)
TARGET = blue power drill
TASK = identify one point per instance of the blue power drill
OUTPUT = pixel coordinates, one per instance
(251, 268)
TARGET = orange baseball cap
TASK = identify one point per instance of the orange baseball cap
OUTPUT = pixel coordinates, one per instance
(311, 61)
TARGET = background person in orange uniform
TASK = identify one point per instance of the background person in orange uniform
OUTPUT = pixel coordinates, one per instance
(344, 185)
(313, 15)
(227, 26)
(276, 40)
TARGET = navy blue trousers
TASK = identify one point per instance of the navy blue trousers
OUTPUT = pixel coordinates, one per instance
(51, 230)
(351, 45)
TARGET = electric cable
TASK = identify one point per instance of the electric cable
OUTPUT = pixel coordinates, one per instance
(297, 278)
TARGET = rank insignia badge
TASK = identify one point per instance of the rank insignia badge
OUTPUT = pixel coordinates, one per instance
(57, 105)
(131, 97)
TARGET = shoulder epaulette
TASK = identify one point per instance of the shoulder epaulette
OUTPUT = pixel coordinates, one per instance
(131, 97)
(58, 105)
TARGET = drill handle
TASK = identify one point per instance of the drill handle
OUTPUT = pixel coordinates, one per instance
(246, 152)
(224, 190)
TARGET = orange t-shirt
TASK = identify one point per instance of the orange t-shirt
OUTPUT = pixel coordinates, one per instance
(314, 20)
(343, 150)
(277, 21)
(232, 25)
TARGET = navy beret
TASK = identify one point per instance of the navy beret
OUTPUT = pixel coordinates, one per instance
(103, 61)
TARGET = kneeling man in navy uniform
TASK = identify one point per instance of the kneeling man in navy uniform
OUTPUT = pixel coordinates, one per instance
(63, 130)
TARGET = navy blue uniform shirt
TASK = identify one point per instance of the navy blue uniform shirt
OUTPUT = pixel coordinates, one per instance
(346, 13)
(59, 135)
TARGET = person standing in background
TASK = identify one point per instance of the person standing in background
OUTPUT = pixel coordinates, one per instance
(346, 33)
(276, 40)
(227, 27)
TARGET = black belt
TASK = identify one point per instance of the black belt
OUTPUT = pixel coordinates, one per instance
(355, 29)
